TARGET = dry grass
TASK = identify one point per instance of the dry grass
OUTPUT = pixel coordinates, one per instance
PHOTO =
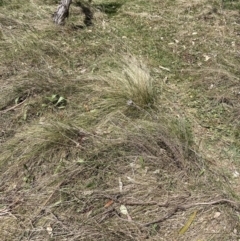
(133, 84)
(128, 87)
(140, 109)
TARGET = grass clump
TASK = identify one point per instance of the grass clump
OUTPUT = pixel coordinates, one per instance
(38, 140)
(127, 84)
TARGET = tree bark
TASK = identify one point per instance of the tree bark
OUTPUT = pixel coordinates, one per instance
(62, 12)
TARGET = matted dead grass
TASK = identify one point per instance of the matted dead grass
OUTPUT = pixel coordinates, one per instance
(79, 197)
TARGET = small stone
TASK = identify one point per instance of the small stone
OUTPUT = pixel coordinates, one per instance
(217, 214)
(235, 174)
(211, 87)
(129, 102)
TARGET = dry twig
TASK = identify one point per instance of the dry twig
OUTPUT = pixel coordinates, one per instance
(187, 206)
(13, 107)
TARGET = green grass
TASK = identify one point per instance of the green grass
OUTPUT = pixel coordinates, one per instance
(147, 97)
(231, 4)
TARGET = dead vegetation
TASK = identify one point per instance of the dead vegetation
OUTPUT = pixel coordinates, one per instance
(127, 129)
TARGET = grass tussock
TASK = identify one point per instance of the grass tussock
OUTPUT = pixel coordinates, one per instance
(128, 84)
(134, 84)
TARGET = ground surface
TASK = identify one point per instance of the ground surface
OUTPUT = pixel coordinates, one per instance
(124, 124)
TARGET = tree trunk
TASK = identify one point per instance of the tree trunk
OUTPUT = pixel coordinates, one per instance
(62, 12)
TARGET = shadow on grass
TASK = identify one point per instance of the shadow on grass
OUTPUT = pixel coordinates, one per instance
(110, 8)
(87, 12)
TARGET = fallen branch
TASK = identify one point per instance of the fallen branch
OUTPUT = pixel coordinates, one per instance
(177, 208)
(187, 206)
